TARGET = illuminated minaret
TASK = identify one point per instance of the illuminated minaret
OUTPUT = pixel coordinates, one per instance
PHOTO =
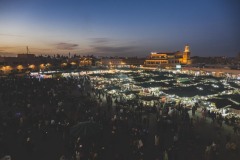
(186, 55)
(187, 48)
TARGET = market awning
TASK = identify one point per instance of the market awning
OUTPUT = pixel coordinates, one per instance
(149, 98)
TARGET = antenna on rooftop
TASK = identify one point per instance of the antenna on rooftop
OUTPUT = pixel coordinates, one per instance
(27, 50)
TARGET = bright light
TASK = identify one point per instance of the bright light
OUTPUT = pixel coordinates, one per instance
(64, 64)
(32, 66)
(6, 68)
(20, 67)
(73, 63)
(42, 66)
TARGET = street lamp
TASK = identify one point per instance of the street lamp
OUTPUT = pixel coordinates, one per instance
(32, 66)
(20, 68)
(6, 69)
(42, 66)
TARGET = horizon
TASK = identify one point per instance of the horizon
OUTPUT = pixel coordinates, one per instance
(120, 28)
(109, 56)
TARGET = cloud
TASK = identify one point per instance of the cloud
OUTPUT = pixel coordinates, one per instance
(10, 35)
(66, 46)
(108, 46)
(4, 53)
(109, 49)
(9, 50)
(103, 50)
(100, 40)
(42, 49)
(6, 48)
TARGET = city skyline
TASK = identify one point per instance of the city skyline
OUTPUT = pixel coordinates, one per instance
(119, 28)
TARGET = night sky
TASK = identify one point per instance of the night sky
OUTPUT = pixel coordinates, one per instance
(120, 27)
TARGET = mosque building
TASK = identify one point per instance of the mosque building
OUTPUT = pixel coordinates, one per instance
(168, 59)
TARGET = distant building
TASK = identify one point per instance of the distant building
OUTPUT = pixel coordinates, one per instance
(215, 62)
(26, 55)
(86, 61)
(133, 61)
(1, 60)
(168, 59)
(20, 59)
(112, 62)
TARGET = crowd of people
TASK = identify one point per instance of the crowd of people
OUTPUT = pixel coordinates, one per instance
(93, 125)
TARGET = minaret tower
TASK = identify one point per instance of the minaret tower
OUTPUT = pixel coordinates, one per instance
(187, 48)
(186, 55)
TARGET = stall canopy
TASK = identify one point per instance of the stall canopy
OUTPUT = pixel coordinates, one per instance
(149, 98)
(112, 87)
